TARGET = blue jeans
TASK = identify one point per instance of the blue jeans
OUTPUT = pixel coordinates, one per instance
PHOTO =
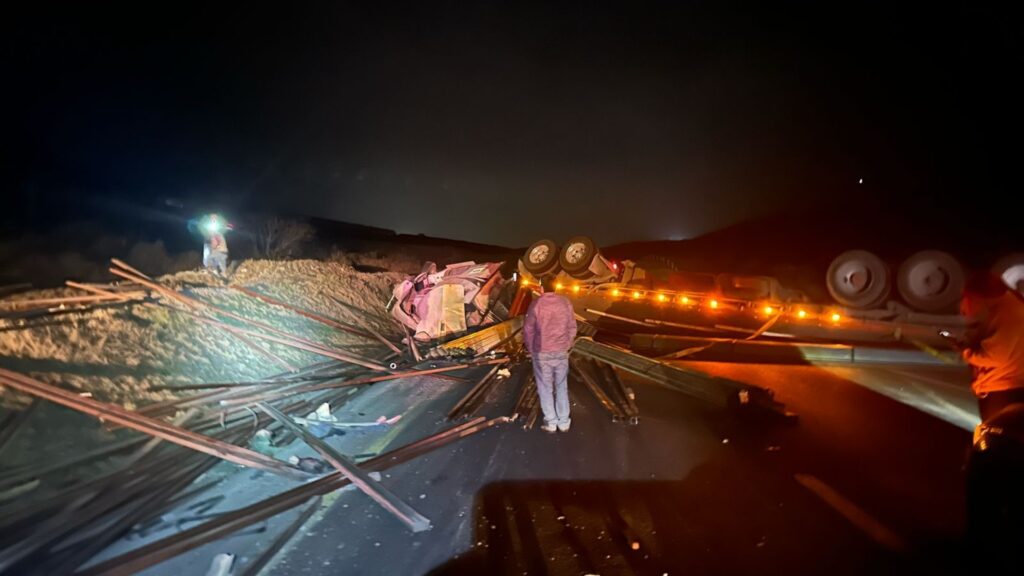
(551, 372)
(216, 261)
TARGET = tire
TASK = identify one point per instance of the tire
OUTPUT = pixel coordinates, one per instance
(931, 281)
(1011, 270)
(577, 254)
(541, 258)
(858, 279)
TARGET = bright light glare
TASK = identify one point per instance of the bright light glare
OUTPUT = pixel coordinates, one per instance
(836, 317)
(684, 300)
(636, 294)
(662, 298)
(616, 292)
(769, 310)
(576, 288)
(801, 313)
(558, 286)
(713, 303)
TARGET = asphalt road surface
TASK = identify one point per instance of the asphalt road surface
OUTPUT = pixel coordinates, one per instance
(868, 481)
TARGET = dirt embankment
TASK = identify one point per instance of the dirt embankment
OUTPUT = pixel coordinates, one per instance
(121, 354)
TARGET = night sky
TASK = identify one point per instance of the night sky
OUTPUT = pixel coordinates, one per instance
(506, 123)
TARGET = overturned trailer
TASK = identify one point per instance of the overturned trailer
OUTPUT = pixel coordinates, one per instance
(631, 297)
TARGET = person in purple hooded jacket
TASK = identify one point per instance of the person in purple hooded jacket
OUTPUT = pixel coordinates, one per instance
(548, 332)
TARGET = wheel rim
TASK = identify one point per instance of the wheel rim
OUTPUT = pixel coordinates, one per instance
(855, 278)
(928, 279)
(539, 254)
(575, 253)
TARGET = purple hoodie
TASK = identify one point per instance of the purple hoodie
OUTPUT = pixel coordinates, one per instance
(550, 324)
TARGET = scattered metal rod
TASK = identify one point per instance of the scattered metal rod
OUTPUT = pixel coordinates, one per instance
(60, 301)
(254, 567)
(299, 344)
(265, 353)
(302, 312)
(596, 390)
(359, 311)
(616, 317)
(366, 326)
(281, 337)
(412, 344)
(457, 409)
(14, 423)
(169, 547)
(86, 508)
(720, 392)
(532, 418)
(529, 387)
(146, 506)
(626, 393)
(96, 290)
(172, 405)
(615, 388)
(500, 343)
(150, 426)
(32, 314)
(121, 264)
(381, 495)
(373, 379)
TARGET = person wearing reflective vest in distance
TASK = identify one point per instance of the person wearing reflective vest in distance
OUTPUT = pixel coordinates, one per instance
(548, 333)
(994, 342)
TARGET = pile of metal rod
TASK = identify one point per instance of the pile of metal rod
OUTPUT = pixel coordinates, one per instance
(90, 297)
(181, 439)
(604, 383)
(527, 406)
(472, 400)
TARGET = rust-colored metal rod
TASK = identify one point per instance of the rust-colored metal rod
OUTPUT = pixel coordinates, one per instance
(595, 389)
(366, 326)
(258, 564)
(372, 379)
(412, 344)
(169, 547)
(289, 339)
(98, 291)
(302, 312)
(381, 495)
(454, 412)
(149, 283)
(292, 343)
(121, 264)
(266, 353)
(182, 437)
(358, 310)
(68, 300)
(154, 286)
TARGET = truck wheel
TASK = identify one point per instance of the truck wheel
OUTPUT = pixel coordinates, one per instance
(858, 279)
(541, 258)
(931, 280)
(1011, 270)
(577, 254)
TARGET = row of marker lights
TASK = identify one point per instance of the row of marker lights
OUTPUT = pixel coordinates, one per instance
(769, 310)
